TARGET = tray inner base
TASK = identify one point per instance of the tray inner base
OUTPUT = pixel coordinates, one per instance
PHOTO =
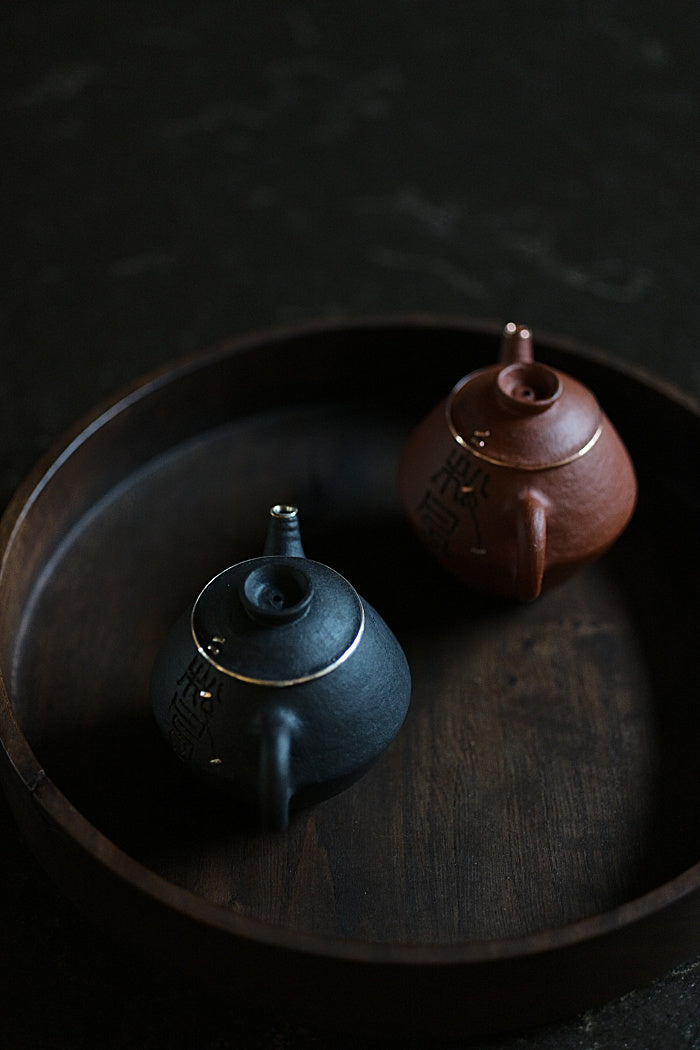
(538, 779)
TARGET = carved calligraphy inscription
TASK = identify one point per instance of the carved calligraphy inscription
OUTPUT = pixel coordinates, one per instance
(460, 484)
(196, 696)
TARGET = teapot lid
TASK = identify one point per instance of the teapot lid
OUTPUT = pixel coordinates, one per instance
(523, 414)
(280, 619)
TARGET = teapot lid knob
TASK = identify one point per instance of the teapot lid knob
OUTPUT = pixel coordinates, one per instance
(280, 619)
(276, 592)
(520, 413)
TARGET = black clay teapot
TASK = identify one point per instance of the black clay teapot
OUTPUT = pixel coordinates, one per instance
(280, 684)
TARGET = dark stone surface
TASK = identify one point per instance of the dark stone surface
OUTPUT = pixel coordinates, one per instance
(175, 174)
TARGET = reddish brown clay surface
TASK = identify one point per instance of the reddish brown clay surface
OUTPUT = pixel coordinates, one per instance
(517, 478)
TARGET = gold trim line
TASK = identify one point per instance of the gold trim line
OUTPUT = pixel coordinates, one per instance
(497, 462)
(284, 682)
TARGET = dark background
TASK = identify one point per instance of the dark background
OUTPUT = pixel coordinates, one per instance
(175, 174)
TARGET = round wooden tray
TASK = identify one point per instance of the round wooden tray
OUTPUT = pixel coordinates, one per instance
(529, 844)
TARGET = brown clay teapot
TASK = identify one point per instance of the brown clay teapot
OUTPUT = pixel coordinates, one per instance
(517, 478)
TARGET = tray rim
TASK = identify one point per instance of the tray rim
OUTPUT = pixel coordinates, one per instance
(58, 810)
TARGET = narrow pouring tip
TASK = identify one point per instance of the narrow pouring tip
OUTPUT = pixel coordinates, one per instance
(283, 535)
(516, 344)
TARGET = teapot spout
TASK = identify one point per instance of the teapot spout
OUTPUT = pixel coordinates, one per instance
(283, 536)
(516, 344)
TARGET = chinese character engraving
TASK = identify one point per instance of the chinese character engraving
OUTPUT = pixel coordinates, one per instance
(437, 521)
(196, 696)
(459, 484)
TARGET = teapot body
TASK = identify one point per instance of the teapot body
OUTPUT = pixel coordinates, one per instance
(229, 731)
(280, 684)
(517, 479)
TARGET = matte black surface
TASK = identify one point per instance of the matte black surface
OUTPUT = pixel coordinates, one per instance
(174, 178)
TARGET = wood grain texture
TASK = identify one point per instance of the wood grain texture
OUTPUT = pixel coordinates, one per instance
(537, 816)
